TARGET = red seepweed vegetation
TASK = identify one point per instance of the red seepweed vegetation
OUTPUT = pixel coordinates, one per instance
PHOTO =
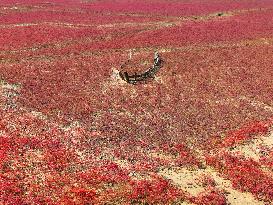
(61, 53)
(247, 132)
(244, 174)
(45, 167)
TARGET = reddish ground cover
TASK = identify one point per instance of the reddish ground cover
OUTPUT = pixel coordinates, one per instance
(72, 133)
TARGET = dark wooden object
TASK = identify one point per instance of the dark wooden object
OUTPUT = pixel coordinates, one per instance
(133, 79)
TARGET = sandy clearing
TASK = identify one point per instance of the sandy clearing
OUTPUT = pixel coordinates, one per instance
(185, 203)
(9, 93)
(256, 103)
(188, 181)
(252, 102)
(5, 85)
(234, 196)
(185, 179)
(253, 148)
(160, 24)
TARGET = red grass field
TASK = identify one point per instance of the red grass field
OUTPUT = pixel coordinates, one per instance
(71, 132)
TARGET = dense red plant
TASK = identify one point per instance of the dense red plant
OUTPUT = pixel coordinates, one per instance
(245, 174)
(65, 180)
(71, 133)
(245, 133)
(210, 197)
(184, 156)
(156, 191)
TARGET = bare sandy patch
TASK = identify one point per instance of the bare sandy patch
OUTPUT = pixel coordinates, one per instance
(234, 196)
(188, 180)
(185, 179)
(236, 101)
(253, 148)
(161, 156)
(258, 104)
(9, 93)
